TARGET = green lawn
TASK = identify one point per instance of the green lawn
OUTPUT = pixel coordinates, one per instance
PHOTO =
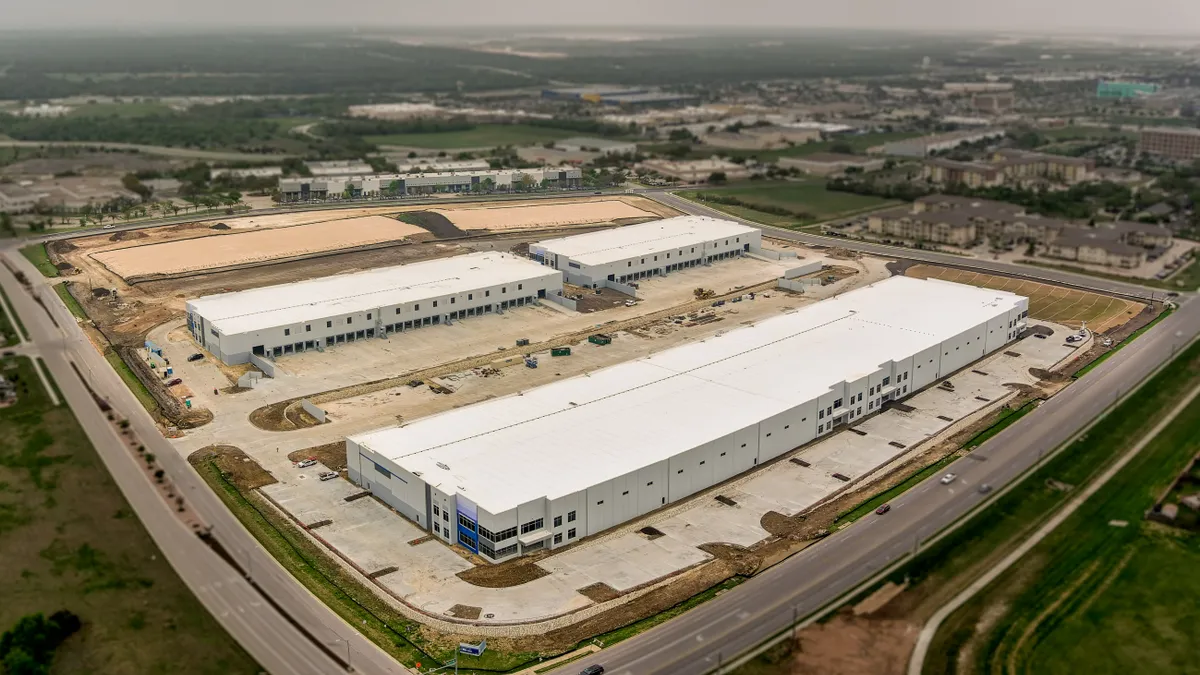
(15, 317)
(1092, 133)
(135, 385)
(1186, 279)
(68, 540)
(483, 135)
(36, 254)
(1121, 345)
(809, 198)
(858, 143)
(139, 109)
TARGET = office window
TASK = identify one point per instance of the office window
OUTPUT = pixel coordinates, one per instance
(368, 316)
(887, 380)
(329, 324)
(820, 414)
(397, 310)
(571, 533)
(520, 286)
(466, 522)
(287, 331)
(308, 328)
(349, 319)
(487, 294)
(558, 521)
(383, 471)
(435, 303)
(470, 296)
(446, 516)
(837, 403)
(570, 516)
(437, 527)
(558, 538)
(452, 300)
(820, 428)
(532, 526)
(436, 510)
(417, 307)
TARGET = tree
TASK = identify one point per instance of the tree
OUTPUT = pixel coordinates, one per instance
(841, 147)
(717, 177)
(681, 135)
(6, 225)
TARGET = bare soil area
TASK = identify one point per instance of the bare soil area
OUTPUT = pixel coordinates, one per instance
(520, 216)
(505, 575)
(332, 455)
(235, 465)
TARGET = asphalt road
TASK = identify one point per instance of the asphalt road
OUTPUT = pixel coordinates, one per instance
(266, 629)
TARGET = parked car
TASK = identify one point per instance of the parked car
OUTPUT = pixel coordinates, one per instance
(175, 381)
(594, 669)
(883, 509)
(109, 226)
(327, 475)
(305, 463)
(1073, 338)
(196, 357)
(949, 478)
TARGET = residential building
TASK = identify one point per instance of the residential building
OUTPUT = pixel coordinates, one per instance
(784, 135)
(321, 313)
(1178, 143)
(555, 464)
(993, 103)
(696, 171)
(1009, 166)
(15, 198)
(830, 163)
(941, 171)
(734, 140)
(1094, 247)
(635, 252)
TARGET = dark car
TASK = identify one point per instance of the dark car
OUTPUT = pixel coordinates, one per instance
(196, 357)
(592, 670)
(175, 381)
(883, 509)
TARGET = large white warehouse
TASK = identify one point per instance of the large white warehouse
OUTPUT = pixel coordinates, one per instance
(570, 459)
(290, 318)
(634, 252)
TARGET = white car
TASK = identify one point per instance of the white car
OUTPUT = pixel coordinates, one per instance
(109, 226)
(327, 475)
(305, 463)
(949, 478)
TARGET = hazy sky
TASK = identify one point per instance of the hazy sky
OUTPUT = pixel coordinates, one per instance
(1151, 16)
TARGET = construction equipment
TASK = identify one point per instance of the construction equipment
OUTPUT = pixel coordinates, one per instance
(560, 351)
(600, 339)
(704, 293)
(523, 342)
(531, 362)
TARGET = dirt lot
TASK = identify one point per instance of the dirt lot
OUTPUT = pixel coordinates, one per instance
(1048, 303)
(240, 248)
(548, 215)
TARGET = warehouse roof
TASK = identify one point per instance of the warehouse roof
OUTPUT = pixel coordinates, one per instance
(290, 304)
(607, 246)
(567, 436)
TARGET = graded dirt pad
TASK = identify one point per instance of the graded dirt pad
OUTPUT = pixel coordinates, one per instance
(850, 645)
(246, 247)
(599, 592)
(244, 472)
(504, 575)
(543, 215)
(1066, 306)
(332, 455)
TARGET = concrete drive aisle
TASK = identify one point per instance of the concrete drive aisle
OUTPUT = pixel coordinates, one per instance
(716, 632)
(257, 624)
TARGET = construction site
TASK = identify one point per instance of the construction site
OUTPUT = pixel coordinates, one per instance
(252, 422)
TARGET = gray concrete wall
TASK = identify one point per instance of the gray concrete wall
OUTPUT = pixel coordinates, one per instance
(267, 367)
(621, 288)
(804, 268)
(564, 301)
(317, 413)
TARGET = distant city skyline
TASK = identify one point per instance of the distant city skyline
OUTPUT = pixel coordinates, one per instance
(1072, 16)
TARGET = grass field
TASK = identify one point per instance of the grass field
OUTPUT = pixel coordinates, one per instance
(20, 326)
(1049, 303)
(1092, 133)
(811, 198)
(36, 254)
(1186, 279)
(68, 540)
(858, 143)
(1122, 344)
(482, 136)
(69, 300)
(135, 385)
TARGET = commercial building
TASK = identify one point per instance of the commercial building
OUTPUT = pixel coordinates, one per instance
(829, 163)
(347, 167)
(619, 96)
(1123, 90)
(253, 172)
(976, 87)
(321, 313)
(635, 252)
(553, 465)
(600, 145)
(784, 134)
(697, 171)
(405, 164)
(923, 146)
(399, 184)
(1178, 143)
(17, 199)
(993, 103)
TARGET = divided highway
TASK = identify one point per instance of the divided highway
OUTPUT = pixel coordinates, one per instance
(270, 630)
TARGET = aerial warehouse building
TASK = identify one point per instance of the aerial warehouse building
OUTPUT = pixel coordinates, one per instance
(320, 313)
(635, 252)
(552, 465)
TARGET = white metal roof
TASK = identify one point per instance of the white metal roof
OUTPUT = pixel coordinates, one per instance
(622, 243)
(290, 304)
(567, 436)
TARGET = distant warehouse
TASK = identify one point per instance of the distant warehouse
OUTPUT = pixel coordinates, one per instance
(402, 184)
(290, 318)
(635, 252)
(551, 465)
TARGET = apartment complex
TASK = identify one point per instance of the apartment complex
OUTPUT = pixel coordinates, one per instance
(965, 222)
(1009, 166)
(1179, 143)
(400, 184)
(696, 171)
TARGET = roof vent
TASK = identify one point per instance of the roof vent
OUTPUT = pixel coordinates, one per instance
(443, 466)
